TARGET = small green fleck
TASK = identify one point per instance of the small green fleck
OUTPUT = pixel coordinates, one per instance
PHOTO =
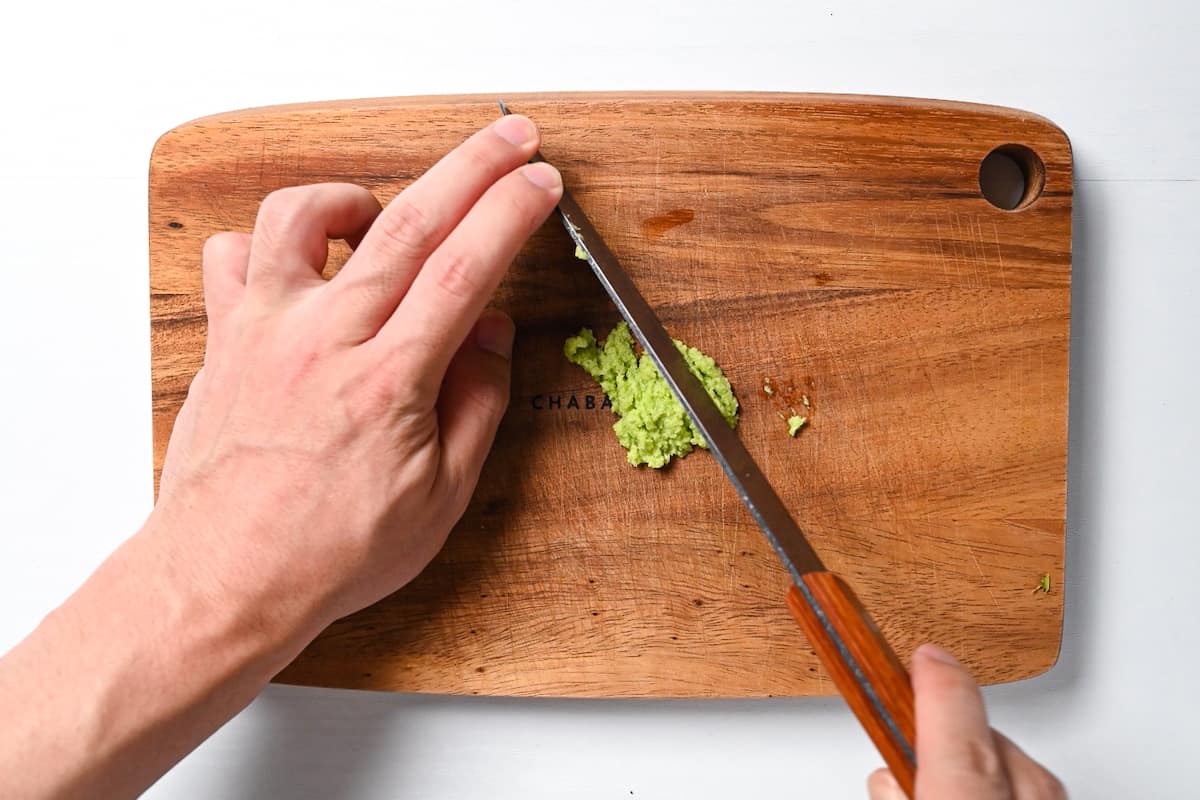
(795, 423)
(1043, 585)
(580, 254)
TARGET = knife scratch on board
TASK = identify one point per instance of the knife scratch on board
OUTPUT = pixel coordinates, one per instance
(982, 576)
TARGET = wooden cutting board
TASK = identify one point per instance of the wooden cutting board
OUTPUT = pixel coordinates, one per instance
(839, 246)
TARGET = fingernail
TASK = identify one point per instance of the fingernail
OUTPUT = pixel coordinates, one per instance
(936, 653)
(495, 333)
(542, 175)
(515, 129)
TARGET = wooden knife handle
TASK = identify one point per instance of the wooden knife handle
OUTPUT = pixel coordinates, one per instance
(873, 680)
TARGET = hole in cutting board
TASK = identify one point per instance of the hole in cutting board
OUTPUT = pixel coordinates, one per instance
(1011, 177)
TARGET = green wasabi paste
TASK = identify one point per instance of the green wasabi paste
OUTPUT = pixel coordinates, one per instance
(652, 425)
(795, 423)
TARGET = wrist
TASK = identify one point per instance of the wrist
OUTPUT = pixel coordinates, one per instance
(223, 585)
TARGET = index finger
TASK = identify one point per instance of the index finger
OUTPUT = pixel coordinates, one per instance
(459, 279)
(415, 223)
(957, 755)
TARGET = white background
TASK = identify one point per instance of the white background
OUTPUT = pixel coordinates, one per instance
(87, 89)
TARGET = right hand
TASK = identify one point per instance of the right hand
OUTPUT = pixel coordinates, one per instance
(958, 755)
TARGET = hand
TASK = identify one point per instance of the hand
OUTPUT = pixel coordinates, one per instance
(331, 440)
(337, 429)
(958, 755)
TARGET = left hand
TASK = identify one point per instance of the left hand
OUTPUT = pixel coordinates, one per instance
(326, 448)
(337, 429)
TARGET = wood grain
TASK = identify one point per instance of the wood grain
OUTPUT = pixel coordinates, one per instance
(864, 668)
(836, 244)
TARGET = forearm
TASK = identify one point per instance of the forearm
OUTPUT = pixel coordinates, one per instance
(142, 663)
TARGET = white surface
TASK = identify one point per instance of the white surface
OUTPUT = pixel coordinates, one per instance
(88, 89)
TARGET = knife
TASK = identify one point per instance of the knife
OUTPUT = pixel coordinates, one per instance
(863, 666)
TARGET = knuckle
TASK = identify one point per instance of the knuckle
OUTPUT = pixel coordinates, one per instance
(370, 399)
(483, 160)
(280, 204)
(981, 758)
(485, 400)
(1049, 787)
(421, 386)
(382, 389)
(224, 246)
(282, 213)
(459, 275)
(459, 485)
(348, 189)
(404, 229)
(407, 408)
(361, 291)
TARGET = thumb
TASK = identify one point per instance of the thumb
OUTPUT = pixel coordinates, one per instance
(957, 755)
(882, 785)
(473, 399)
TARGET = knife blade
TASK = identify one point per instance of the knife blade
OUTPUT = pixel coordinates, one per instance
(862, 664)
